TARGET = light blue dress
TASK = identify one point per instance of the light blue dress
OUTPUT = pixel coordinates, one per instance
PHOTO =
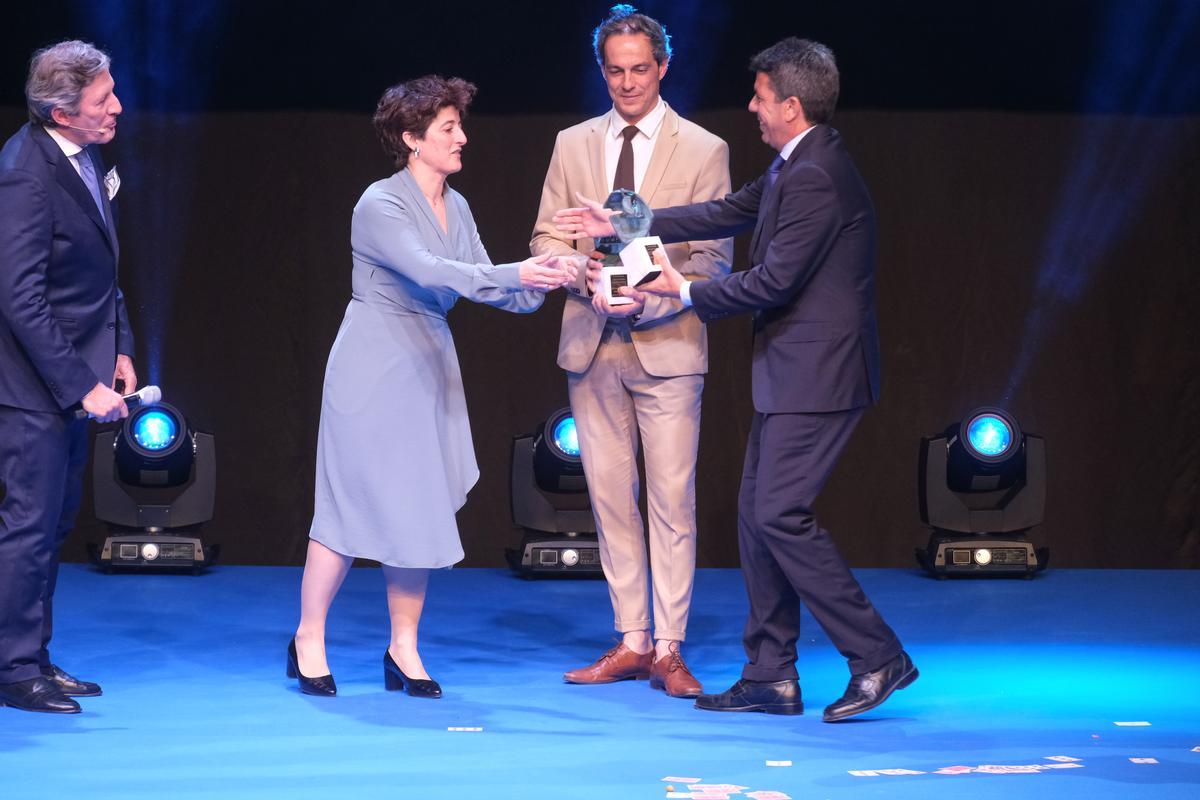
(394, 452)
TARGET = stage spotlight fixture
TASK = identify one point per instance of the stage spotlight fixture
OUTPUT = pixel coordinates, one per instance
(154, 480)
(981, 488)
(550, 502)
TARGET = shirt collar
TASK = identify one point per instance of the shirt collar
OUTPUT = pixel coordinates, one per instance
(69, 148)
(786, 152)
(648, 125)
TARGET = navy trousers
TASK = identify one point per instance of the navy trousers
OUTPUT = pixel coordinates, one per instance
(42, 458)
(787, 558)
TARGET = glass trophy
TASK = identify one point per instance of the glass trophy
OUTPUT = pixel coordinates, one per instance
(628, 256)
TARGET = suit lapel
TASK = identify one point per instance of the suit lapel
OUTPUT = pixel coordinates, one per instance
(595, 150)
(769, 204)
(766, 208)
(98, 166)
(664, 148)
(70, 181)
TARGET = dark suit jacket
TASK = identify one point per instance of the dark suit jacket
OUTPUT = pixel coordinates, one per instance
(812, 284)
(62, 317)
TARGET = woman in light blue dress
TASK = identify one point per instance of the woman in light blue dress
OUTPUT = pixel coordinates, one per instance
(394, 453)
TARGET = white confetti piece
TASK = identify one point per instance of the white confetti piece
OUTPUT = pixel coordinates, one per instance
(1009, 769)
(1068, 765)
(778, 764)
(1062, 758)
(1134, 724)
(465, 730)
(864, 773)
(1144, 760)
(899, 772)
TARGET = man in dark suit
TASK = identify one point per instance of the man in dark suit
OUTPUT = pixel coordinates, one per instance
(65, 344)
(815, 370)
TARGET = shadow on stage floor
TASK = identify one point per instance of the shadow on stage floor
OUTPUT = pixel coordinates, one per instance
(1014, 674)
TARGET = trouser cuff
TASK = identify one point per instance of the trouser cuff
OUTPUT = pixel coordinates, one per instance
(630, 627)
(763, 672)
(876, 659)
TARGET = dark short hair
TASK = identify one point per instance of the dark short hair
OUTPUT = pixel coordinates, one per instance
(625, 19)
(802, 69)
(58, 74)
(411, 106)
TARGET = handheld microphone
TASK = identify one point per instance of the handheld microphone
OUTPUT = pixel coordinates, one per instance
(146, 396)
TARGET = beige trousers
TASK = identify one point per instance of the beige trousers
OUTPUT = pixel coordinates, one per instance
(614, 401)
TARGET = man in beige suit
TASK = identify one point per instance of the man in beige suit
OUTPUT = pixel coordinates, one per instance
(638, 368)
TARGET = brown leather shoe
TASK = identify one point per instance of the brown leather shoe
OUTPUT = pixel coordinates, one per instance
(618, 664)
(670, 674)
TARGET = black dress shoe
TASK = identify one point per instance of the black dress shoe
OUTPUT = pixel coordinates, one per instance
(394, 680)
(70, 685)
(868, 690)
(771, 697)
(321, 687)
(37, 694)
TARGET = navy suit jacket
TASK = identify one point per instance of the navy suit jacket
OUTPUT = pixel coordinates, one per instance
(812, 283)
(62, 316)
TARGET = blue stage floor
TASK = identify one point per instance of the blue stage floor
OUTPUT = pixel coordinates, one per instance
(1013, 673)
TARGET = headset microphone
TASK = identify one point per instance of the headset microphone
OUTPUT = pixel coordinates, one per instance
(87, 130)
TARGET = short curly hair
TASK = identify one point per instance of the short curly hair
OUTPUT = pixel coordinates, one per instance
(411, 106)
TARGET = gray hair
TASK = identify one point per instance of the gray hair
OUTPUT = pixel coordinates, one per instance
(802, 69)
(58, 75)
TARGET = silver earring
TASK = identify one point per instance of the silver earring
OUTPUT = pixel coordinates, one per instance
(417, 151)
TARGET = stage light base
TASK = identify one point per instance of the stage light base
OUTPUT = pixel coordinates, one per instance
(563, 555)
(150, 551)
(981, 555)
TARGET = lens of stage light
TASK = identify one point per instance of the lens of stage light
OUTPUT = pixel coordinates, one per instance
(566, 438)
(989, 435)
(570, 557)
(155, 430)
(983, 556)
(149, 551)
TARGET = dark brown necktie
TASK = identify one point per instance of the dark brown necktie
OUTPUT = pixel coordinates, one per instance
(623, 179)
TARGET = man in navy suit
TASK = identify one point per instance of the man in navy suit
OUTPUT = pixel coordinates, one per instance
(65, 344)
(815, 370)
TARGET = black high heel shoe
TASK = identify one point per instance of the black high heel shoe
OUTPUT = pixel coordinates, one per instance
(394, 680)
(321, 687)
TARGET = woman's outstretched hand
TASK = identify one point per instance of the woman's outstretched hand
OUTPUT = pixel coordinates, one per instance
(547, 273)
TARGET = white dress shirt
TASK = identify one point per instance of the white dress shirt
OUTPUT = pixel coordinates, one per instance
(69, 148)
(643, 143)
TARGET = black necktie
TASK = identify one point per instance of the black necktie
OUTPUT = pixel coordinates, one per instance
(623, 179)
(774, 170)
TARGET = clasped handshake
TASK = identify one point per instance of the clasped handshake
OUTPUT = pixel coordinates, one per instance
(591, 220)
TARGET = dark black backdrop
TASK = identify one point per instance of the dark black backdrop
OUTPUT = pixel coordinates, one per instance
(986, 136)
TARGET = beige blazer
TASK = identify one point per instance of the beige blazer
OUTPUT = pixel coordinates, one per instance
(689, 165)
